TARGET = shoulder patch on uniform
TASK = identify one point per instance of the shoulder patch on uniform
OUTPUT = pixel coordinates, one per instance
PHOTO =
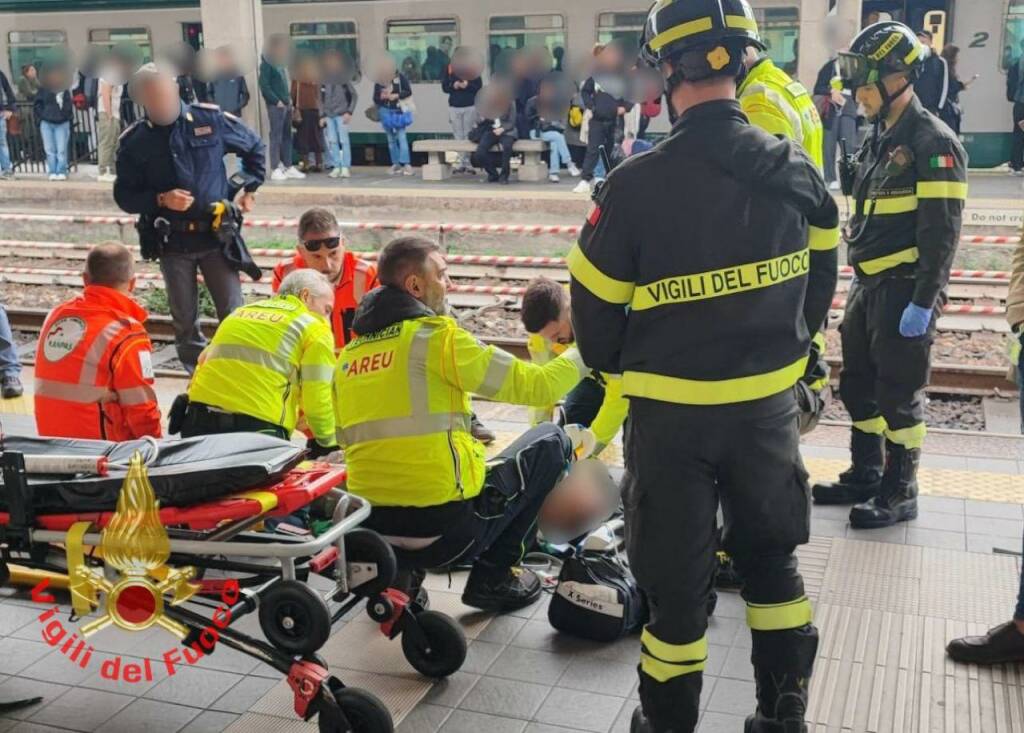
(146, 365)
(206, 105)
(63, 337)
(942, 161)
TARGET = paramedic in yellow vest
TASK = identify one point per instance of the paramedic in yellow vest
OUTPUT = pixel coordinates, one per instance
(402, 395)
(267, 361)
(596, 402)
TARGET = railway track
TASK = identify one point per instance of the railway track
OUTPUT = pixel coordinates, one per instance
(946, 378)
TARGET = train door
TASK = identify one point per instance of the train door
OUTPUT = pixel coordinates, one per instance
(933, 15)
(192, 34)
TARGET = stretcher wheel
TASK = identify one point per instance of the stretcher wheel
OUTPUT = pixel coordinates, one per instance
(439, 649)
(364, 712)
(294, 617)
(365, 545)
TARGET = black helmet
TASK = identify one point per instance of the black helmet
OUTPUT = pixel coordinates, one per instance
(703, 38)
(880, 50)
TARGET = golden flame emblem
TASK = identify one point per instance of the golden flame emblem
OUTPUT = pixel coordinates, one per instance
(135, 543)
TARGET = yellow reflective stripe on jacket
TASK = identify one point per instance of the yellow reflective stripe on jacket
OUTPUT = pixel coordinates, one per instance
(912, 437)
(872, 426)
(779, 616)
(606, 288)
(942, 190)
(727, 281)
(892, 205)
(664, 661)
(680, 31)
(887, 262)
(822, 240)
(712, 392)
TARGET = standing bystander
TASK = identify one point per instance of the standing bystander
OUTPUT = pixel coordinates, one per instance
(338, 103)
(53, 110)
(10, 366)
(275, 88)
(8, 107)
(461, 83)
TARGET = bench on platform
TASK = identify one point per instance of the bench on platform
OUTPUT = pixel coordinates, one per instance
(437, 168)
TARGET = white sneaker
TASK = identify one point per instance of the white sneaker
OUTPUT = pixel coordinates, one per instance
(574, 171)
(278, 175)
(294, 172)
(582, 187)
(834, 186)
(346, 173)
(395, 170)
(62, 177)
(407, 170)
(335, 173)
(553, 177)
(107, 177)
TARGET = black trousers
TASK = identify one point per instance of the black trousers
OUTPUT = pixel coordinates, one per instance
(491, 162)
(884, 374)
(494, 528)
(199, 419)
(583, 403)
(601, 132)
(682, 462)
(1017, 151)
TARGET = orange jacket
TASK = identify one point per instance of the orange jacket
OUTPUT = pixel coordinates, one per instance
(94, 370)
(357, 279)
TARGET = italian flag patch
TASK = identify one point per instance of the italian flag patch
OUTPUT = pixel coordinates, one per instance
(942, 161)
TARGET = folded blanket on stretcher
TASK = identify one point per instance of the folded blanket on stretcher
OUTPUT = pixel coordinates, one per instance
(184, 472)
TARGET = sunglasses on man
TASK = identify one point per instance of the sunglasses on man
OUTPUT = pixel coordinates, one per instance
(314, 245)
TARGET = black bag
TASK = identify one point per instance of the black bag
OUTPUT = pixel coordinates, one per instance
(597, 598)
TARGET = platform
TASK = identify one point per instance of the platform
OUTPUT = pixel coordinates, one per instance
(886, 602)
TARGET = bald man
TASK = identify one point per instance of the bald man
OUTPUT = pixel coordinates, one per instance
(94, 361)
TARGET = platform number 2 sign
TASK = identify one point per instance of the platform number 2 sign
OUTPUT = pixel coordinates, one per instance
(980, 40)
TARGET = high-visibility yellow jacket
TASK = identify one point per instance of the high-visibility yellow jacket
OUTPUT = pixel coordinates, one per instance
(775, 102)
(268, 360)
(614, 407)
(402, 394)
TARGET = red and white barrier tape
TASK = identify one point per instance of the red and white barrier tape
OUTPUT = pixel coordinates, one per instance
(951, 309)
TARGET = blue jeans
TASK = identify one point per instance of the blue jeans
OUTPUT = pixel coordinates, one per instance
(9, 364)
(398, 144)
(5, 154)
(336, 132)
(55, 142)
(559, 148)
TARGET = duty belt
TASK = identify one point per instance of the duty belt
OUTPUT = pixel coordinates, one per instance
(206, 419)
(187, 226)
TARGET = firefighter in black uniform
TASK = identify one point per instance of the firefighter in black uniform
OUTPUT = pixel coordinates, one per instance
(909, 184)
(700, 275)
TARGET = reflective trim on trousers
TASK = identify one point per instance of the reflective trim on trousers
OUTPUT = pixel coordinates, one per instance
(872, 426)
(663, 661)
(912, 437)
(779, 616)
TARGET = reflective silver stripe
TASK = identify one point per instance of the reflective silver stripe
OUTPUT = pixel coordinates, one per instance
(85, 394)
(91, 364)
(250, 355)
(419, 399)
(316, 373)
(497, 370)
(576, 358)
(293, 334)
(136, 395)
(404, 427)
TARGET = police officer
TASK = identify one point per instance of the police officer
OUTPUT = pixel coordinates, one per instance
(700, 275)
(170, 171)
(909, 192)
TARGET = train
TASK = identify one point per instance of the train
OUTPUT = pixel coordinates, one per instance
(418, 33)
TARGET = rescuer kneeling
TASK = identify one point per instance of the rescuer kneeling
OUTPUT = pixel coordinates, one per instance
(94, 361)
(266, 361)
(402, 395)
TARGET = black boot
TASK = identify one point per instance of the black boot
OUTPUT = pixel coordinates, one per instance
(863, 479)
(1000, 645)
(897, 498)
(783, 661)
(501, 590)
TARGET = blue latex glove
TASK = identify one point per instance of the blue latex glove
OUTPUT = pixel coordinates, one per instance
(915, 321)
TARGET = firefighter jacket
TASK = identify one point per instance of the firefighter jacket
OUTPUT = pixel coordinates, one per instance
(706, 264)
(614, 407)
(356, 280)
(402, 395)
(777, 104)
(268, 360)
(94, 370)
(909, 196)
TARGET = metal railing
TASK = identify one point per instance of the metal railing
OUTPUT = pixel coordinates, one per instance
(26, 147)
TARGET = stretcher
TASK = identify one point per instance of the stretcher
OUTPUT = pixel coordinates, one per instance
(225, 540)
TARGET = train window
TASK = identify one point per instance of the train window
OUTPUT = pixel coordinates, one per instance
(317, 37)
(780, 31)
(510, 32)
(422, 48)
(625, 27)
(30, 47)
(1013, 33)
(110, 37)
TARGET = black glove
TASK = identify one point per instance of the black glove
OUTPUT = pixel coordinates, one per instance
(176, 415)
(315, 450)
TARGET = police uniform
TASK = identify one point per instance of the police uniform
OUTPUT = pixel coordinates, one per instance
(187, 154)
(700, 276)
(908, 199)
